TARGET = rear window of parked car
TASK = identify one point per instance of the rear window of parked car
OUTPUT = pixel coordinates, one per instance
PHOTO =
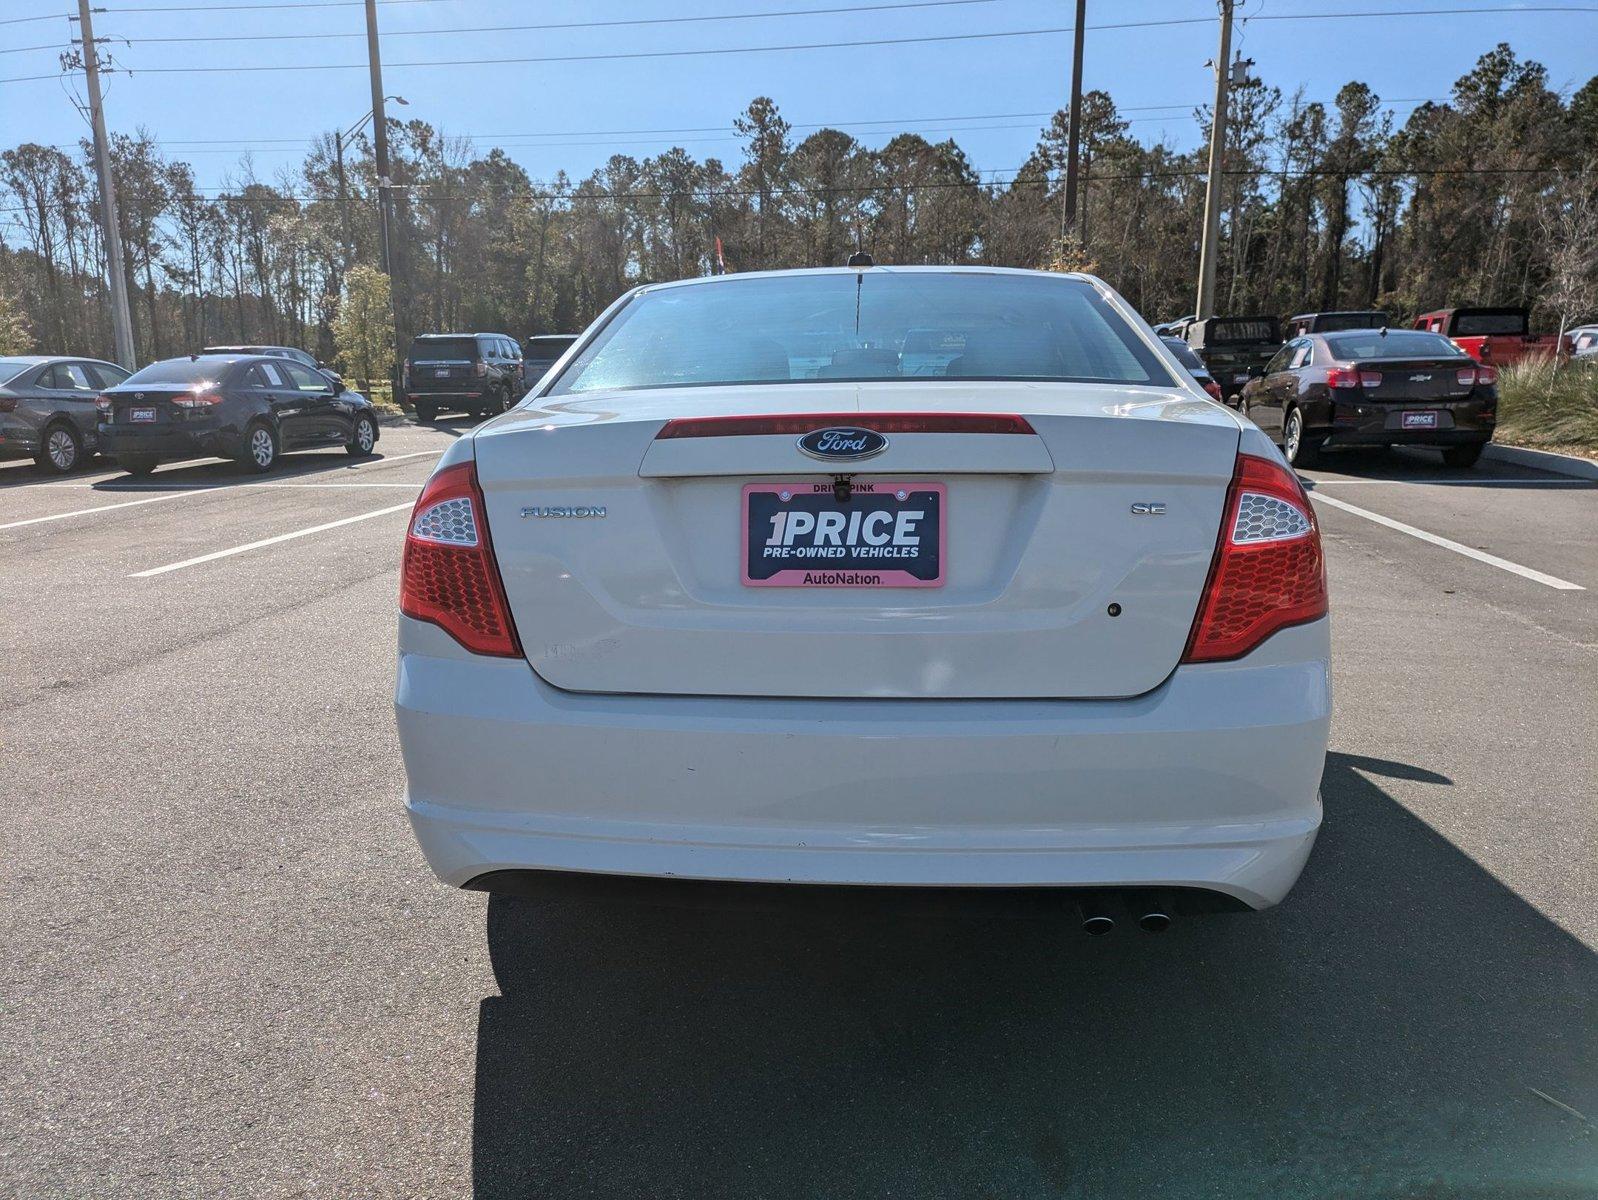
(1508, 324)
(1399, 343)
(444, 349)
(179, 370)
(847, 326)
(10, 368)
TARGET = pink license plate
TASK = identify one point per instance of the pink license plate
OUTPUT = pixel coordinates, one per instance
(883, 534)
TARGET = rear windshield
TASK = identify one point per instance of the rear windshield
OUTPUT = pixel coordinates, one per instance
(444, 349)
(1399, 343)
(1184, 354)
(10, 368)
(546, 347)
(1225, 330)
(863, 326)
(1488, 323)
(179, 370)
(1331, 322)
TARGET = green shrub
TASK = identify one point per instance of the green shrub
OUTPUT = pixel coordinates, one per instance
(1539, 406)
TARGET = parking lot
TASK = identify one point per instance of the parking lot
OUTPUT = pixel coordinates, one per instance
(227, 970)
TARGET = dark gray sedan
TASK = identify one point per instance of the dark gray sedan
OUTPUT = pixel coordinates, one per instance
(47, 408)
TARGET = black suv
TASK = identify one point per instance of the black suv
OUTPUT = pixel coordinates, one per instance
(476, 373)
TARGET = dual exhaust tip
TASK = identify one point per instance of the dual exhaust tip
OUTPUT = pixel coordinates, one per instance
(1153, 913)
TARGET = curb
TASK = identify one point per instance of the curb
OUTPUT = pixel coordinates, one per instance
(1543, 460)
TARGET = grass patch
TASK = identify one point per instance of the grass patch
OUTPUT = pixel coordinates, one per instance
(1538, 406)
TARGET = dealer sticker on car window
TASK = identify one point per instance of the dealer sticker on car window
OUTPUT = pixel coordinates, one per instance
(879, 533)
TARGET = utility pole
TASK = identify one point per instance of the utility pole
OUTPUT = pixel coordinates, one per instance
(1073, 146)
(392, 257)
(1210, 248)
(116, 264)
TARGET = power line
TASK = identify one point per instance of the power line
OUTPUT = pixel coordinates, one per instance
(227, 8)
(744, 16)
(903, 41)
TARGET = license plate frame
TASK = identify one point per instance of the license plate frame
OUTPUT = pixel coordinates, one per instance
(141, 415)
(1417, 420)
(863, 569)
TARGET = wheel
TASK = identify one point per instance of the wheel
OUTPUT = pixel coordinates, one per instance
(1463, 456)
(61, 451)
(364, 438)
(506, 403)
(426, 413)
(1300, 449)
(260, 448)
(137, 464)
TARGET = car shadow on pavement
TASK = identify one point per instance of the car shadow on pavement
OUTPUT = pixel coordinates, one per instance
(1403, 464)
(1379, 1034)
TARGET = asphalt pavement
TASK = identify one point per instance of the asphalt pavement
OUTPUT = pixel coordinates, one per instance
(226, 971)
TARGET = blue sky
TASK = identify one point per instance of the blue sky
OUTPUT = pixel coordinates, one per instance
(553, 115)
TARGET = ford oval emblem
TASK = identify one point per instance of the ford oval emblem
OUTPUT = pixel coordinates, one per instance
(843, 441)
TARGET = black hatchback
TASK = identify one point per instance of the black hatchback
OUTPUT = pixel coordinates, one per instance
(246, 407)
(1375, 387)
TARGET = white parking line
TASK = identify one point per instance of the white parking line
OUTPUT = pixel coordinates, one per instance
(1492, 560)
(271, 541)
(1584, 484)
(212, 487)
(84, 512)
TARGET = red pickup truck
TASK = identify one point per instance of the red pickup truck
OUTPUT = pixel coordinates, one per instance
(1491, 335)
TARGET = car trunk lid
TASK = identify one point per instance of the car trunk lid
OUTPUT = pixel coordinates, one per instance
(1072, 560)
(1416, 379)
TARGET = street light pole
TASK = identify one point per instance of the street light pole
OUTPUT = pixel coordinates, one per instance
(392, 258)
(1209, 248)
(340, 140)
(116, 264)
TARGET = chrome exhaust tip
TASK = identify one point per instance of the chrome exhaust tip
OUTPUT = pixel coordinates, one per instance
(1096, 921)
(1156, 920)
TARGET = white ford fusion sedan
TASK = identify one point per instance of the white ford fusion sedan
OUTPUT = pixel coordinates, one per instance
(923, 577)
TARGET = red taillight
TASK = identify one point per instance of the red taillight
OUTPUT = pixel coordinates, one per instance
(8, 404)
(1214, 389)
(1341, 377)
(1466, 376)
(1268, 572)
(448, 575)
(480, 367)
(692, 427)
(197, 400)
(103, 403)
(1370, 379)
(1486, 376)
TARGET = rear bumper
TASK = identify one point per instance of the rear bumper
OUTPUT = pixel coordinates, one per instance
(1210, 781)
(1367, 424)
(164, 442)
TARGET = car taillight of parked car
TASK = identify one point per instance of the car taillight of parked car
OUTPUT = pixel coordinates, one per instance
(1348, 377)
(480, 367)
(1486, 376)
(8, 404)
(103, 403)
(198, 400)
(1268, 571)
(448, 575)
(1214, 389)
